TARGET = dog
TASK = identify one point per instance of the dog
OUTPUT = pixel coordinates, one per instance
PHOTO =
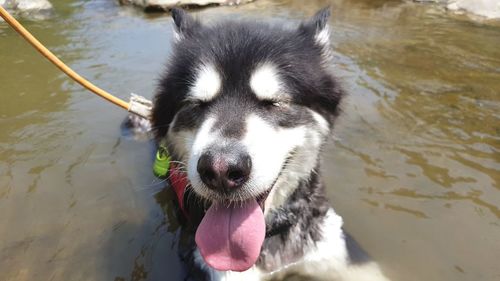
(244, 110)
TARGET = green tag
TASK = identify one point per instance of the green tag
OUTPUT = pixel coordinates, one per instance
(162, 162)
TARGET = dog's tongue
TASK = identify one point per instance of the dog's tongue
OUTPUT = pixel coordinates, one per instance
(230, 238)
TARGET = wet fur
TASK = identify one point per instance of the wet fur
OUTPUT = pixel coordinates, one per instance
(304, 236)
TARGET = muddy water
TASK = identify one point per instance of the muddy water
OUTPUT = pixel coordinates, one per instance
(414, 167)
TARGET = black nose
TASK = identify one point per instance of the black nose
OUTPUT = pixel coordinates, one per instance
(224, 171)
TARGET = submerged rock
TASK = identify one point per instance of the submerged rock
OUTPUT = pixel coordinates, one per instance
(169, 4)
(27, 5)
(34, 9)
(486, 8)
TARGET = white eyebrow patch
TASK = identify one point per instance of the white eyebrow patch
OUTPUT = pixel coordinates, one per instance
(265, 82)
(207, 83)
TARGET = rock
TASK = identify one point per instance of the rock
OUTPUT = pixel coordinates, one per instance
(33, 5)
(2, 3)
(169, 4)
(489, 9)
(27, 5)
(33, 9)
(430, 1)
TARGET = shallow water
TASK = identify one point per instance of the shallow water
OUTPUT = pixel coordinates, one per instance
(414, 167)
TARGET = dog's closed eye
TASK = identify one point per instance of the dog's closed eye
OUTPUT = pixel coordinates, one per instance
(270, 103)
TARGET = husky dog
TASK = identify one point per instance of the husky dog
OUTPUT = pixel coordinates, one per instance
(244, 109)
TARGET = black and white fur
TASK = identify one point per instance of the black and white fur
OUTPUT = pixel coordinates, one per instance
(267, 90)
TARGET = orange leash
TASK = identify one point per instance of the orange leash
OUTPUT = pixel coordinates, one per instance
(138, 105)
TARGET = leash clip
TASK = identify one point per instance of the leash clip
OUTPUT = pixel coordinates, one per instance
(139, 105)
(161, 165)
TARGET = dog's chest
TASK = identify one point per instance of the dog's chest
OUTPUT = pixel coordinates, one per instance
(311, 267)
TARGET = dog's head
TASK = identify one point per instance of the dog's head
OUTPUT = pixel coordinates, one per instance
(246, 107)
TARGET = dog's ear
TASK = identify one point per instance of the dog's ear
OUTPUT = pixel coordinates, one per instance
(318, 27)
(185, 24)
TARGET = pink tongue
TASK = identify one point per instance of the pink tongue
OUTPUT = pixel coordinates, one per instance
(230, 238)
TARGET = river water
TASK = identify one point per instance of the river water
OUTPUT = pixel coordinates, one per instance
(413, 167)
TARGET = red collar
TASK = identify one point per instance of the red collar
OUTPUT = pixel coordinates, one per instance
(179, 182)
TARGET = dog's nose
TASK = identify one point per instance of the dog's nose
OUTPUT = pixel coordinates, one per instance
(224, 171)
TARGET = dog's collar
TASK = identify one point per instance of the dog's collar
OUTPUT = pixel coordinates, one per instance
(163, 168)
(179, 182)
